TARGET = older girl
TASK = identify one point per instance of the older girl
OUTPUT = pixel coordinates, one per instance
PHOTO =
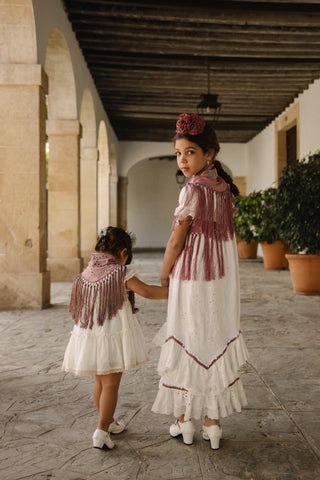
(203, 346)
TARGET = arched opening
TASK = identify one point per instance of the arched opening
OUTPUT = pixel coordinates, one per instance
(152, 197)
(62, 95)
(63, 129)
(103, 178)
(88, 177)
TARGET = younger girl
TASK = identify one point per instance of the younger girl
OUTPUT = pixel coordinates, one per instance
(107, 338)
(203, 347)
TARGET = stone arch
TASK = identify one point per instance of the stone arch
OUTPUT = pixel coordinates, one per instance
(63, 129)
(103, 178)
(88, 177)
(18, 34)
(62, 103)
(113, 187)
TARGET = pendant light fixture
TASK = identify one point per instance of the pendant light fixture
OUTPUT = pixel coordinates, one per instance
(209, 102)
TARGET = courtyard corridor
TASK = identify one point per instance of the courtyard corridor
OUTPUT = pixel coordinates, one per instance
(48, 417)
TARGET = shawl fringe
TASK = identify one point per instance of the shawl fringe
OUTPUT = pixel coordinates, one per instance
(214, 221)
(100, 299)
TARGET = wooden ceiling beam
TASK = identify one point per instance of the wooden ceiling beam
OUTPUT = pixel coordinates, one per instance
(197, 36)
(223, 75)
(186, 62)
(231, 49)
(216, 13)
(183, 32)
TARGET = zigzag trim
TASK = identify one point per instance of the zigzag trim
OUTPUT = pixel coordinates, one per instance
(195, 358)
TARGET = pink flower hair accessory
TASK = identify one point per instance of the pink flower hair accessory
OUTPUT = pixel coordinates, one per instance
(191, 124)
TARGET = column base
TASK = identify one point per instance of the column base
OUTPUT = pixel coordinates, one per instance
(24, 291)
(64, 269)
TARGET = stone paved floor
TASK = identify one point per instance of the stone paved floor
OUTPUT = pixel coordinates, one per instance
(48, 416)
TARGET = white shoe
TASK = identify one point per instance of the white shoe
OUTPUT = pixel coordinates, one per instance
(101, 438)
(186, 429)
(212, 433)
(116, 427)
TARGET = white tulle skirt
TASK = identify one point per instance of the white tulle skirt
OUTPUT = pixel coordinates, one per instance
(116, 346)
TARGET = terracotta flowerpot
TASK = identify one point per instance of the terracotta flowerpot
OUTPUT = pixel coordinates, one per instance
(305, 273)
(247, 250)
(274, 255)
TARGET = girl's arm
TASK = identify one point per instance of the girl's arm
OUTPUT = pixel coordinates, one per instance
(145, 290)
(174, 246)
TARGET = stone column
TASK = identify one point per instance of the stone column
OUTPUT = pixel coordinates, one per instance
(113, 200)
(24, 279)
(122, 201)
(103, 195)
(88, 201)
(64, 259)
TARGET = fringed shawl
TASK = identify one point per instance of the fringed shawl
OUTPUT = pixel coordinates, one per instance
(99, 291)
(212, 218)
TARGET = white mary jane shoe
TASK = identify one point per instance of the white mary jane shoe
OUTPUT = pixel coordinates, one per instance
(116, 427)
(212, 433)
(101, 438)
(186, 429)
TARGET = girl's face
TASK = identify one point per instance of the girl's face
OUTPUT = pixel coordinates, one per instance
(191, 158)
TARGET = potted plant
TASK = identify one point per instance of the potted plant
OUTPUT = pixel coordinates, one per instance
(267, 230)
(298, 204)
(245, 217)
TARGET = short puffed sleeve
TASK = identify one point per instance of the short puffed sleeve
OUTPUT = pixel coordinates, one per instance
(130, 272)
(187, 205)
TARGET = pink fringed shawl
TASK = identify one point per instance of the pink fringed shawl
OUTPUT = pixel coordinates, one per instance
(99, 291)
(213, 219)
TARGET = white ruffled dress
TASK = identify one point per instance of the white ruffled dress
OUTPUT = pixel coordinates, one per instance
(115, 346)
(202, 344)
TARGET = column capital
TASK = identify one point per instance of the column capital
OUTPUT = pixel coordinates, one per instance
(23, 74)
(63, 127)
(123, 180)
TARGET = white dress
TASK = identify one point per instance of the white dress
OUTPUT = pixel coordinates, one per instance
(115, 346)
(202, 344)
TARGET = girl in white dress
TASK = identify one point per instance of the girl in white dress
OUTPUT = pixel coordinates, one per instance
(202, 344)
(107, 338)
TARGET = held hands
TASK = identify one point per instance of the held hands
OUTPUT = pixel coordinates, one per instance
(165, 282)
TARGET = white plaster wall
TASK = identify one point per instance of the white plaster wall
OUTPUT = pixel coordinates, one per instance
(50, 14)
(261, 160)
(234, 156)
(261, 149)
(152, 198)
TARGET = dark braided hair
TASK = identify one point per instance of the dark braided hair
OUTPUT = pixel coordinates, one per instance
(113, 240)
(207, 140)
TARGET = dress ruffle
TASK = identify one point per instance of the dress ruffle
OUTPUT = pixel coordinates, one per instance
(180, 367)
(178, 402)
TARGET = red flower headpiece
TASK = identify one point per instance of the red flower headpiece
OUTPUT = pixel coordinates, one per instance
(191, 124)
